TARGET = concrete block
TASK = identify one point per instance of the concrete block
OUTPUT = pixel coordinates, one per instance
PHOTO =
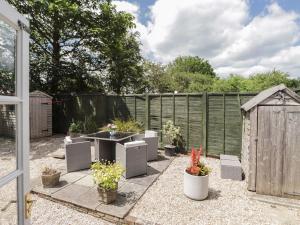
(231, 169)
(229, 157)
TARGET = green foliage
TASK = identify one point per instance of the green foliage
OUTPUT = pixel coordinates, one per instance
(255, 83)
(191, 64)
(124, 126)
(76, 127)
(81, 46)
(107, 175)
(173, 134)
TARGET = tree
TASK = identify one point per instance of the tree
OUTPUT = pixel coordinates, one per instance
(76, 45)
(154, 74)
(191, 64)
(7, 59)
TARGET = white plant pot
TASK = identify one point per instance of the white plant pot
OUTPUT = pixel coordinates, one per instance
(195, 187)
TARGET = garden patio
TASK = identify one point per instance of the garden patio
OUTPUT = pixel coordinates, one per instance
(163, 202)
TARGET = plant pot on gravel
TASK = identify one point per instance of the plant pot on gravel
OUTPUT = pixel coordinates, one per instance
(107, 175)
(196, 177)
(50, 177)
(170, 150)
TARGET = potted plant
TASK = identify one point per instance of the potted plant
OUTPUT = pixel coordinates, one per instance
(174, 138)
(196, 177)
(75, 129)
(107, 175)
(50, 177)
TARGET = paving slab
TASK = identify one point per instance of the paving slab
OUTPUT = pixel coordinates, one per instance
(86, 181)
(119, 208)
(70, 193)
(88, 199)
(78, 188)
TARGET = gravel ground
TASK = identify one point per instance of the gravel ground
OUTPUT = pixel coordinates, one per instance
(228, 202)
(46, 212)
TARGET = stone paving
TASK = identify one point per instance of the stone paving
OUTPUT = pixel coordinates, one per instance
(78, 189)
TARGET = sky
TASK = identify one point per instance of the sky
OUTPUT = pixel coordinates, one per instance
(236, 36)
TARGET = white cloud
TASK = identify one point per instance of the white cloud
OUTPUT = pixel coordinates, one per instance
(223, 32)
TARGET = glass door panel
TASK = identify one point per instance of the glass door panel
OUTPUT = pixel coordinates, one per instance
(7, 59)
(8, 204)
(8, 162)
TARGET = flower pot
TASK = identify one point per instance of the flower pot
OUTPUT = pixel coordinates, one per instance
(50, 180)
(170, 150)
(107, 196)
(195, 187)
(74, 135)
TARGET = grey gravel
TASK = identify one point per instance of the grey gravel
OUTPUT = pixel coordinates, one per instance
(228, 202)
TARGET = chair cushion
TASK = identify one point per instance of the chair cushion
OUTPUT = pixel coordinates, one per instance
(134, 143)
(150, 133)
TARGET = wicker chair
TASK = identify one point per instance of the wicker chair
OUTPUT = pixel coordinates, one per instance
(78, 155)
(133, 157)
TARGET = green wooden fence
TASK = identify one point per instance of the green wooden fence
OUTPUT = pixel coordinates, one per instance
(212, 120)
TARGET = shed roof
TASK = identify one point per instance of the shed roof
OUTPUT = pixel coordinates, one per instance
(266, 94)
(39, 94)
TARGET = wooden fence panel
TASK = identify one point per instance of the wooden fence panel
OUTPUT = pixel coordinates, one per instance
(215, 128)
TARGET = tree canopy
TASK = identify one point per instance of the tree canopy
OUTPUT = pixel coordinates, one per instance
(81, 45)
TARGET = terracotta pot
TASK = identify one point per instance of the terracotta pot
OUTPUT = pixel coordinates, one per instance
(170, 150)
(50, 180)
(195, 187)
(107, 196)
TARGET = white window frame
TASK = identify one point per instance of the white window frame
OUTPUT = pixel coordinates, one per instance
(9, 15)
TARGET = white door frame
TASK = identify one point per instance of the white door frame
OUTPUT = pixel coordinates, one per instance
(9, 15)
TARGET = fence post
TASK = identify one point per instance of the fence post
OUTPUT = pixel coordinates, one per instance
(204, 122)
(173, 108)
(187, 121)
(147, 111)
(160, 118)
(224, 135)
(135, 107)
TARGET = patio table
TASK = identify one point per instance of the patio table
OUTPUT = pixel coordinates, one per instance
(105, 144)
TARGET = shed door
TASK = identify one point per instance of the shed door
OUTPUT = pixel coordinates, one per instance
(44, 118)
(270, 145)
(292, 155)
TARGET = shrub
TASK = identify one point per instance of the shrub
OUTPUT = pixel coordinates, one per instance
(173, 134)
(48, 171)
(124, 126)
(76, 127)
(107, 175)
(197, 168)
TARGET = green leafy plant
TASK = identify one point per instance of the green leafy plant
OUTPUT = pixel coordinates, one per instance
(76, 127)
(124, 126)
(173, 134)
(197, 168)
(107, 175)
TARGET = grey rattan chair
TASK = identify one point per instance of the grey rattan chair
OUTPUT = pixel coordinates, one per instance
(152, 142)
(78, 155)
(133, 157)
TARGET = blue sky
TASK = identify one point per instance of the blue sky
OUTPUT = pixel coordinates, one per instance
(256, 6)
(236, 36)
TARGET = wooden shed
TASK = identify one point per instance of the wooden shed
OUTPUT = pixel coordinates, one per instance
(271, 142)
(40, 114)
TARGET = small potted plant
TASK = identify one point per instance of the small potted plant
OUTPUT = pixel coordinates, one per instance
(174, 138)
(196, 177)
(75, 129)
(50, 177)
(107, 175)
(112, 129)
